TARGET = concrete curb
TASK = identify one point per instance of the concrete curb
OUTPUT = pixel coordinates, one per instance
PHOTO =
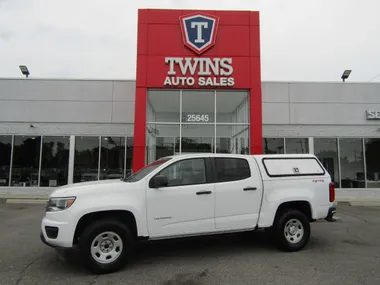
(26, 201)
(23, 199)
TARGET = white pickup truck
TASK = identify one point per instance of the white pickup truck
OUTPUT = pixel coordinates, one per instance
(190, 195)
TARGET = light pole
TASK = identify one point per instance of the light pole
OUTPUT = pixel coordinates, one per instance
(345, 75)
(24, 70)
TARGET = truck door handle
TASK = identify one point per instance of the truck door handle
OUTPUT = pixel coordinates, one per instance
(250, 189)
(204, 192)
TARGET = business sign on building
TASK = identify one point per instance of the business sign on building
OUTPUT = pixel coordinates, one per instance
(185, 49)
(373, 115)
(199, 34)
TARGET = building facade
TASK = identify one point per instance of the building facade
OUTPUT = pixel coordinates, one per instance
(192, 93)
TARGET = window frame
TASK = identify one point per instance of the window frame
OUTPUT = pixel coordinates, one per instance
(208, 172)
(215, 174)
(293, 175)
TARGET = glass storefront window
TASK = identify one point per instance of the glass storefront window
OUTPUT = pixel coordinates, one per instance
(112, 158)
(273, 145)
(198, 106)
(55, 160)
(86, 159)
(163, 106)
(128, 168)
(198, 128)
(232, 107)
(297, 145)
(5, 159)
(162, 140)
(26, 160)
(197, 138)
(372, 156)
(351, 163)
(326, 150)
(232, 139)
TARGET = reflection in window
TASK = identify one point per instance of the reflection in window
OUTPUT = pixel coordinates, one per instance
(5, 159)
(185, 172)
(224, 141)
(232, 107)
(297, 145)
(86, 159)
(372, 156)
(273, 145)
(161, 141)
(26, 159)
(326, 150)
(55, 159)
(112, 158)
(232, 139)
(165, 146)
(351, 162)
(197, 138)
(232, 169)
(163, 106)
(128, 170)
(198, 106)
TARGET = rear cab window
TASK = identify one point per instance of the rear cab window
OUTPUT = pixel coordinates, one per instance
(231, 169)
(289, 166)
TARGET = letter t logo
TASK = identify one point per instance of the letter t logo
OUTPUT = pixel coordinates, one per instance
(199, 26)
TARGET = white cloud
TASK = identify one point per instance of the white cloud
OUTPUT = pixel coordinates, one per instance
(300, 40)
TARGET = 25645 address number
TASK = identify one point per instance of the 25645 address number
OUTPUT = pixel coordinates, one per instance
(197, 118)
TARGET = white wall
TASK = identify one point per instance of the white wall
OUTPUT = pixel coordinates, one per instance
(319, 109)
(66, 106)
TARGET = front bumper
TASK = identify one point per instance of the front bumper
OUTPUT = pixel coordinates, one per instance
(330, 214)
(57, 234)
(43, 239)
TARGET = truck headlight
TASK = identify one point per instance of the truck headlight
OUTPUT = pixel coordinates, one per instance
(59, 204)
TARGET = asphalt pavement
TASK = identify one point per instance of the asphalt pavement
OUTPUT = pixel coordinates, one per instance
(343, 252)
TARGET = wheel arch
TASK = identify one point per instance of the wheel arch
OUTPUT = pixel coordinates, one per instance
(124, 216)
(303, 206)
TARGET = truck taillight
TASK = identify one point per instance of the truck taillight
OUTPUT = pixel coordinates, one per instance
(332, 192)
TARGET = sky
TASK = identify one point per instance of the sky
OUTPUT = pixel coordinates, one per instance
(301, 40)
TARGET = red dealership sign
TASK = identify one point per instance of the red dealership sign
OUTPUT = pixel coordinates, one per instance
(197, 49)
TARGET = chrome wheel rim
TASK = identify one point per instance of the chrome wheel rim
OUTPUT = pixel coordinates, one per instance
(106, 247)
(293, 231)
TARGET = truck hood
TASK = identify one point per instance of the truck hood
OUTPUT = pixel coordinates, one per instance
(91, 188)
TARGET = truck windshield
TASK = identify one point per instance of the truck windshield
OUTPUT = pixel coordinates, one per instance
(145, 170)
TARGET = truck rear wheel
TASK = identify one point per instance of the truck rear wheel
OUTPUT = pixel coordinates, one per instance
(106, 246)
(291, 230)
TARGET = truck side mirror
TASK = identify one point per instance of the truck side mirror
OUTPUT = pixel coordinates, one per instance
(158, 181)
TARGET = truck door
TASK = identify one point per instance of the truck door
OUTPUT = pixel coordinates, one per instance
(238, 191)
(187, 204)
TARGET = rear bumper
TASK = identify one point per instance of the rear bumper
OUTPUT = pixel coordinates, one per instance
(330, 214)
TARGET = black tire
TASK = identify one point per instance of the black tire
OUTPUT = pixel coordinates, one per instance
(97, 228)
(279, 236)
(268, 233)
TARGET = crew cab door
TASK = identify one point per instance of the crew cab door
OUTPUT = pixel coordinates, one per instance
(238, 193)
(186, 205)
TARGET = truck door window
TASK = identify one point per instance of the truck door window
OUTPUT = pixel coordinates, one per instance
(186, 172)
(232, 169)
(137, 176)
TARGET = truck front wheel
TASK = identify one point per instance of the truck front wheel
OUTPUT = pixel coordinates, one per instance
(106, 246)
(291, 230)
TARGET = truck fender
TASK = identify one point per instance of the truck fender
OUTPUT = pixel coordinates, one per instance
(276, 198)
(141, 226)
